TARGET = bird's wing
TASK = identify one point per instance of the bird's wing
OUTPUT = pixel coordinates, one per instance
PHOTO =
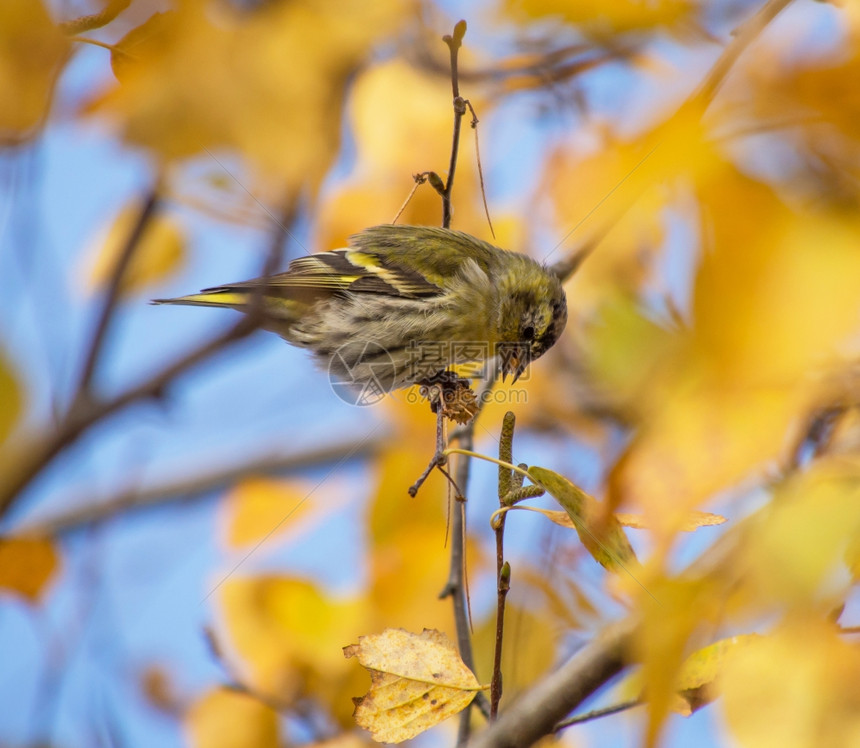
(438, 255)
(352, 270)
(405, 261)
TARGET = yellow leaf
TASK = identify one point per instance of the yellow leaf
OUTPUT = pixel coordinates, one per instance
(257, 508)
(141, 44)
(775, 298)
(266, 83)
(344, 740)
(32, 50)
(228, 719)
(775, 303)
(673, 613)
(418, 681)
(607, 544)
(793, 548)
(697, 681)
(287, 634)
(700, 671)
(695, 520)
(624, 352)
(796, 687)
(617, 16)
(703, 438)
(617, 190)
(10, 398)
(817, 94)
(159, 252)
(27, 565)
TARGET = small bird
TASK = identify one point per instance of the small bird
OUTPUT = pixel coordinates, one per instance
(401, 304)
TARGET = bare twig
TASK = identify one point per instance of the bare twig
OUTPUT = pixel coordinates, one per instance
(134, 498)
(503, 568)
(533, 70)
(474, 125)
(816, 435)
(456, 586)
(454, 42)
(503, 586)
(537, 712)
(112, 294)
(18, 469)
(419, 180)
(597, 714)
(20, 465)
(439, 459)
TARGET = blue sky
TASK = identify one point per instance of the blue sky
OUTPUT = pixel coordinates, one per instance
(132, 592)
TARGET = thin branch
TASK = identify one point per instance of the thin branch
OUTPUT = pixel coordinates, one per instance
(112, 295)
(455, 588)
(546, 67)
(31, 456)
(537, 712)
(135, 498)
(454, 43)
(419, 179)
(503, 568)
(474, 125)
(816, 436)
(597, 714)
(503, 586)
(456, 585)
(20, 466)
(439, 458)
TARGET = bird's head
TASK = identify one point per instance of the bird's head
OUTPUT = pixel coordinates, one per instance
(532, 317)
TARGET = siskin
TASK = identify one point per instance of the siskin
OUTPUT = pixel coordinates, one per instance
(403, 303)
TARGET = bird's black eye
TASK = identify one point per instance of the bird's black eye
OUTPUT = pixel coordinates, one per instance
(528, 333)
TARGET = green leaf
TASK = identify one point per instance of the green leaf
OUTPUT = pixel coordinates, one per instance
(600, 533)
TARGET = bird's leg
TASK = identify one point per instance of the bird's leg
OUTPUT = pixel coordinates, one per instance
(433, 388)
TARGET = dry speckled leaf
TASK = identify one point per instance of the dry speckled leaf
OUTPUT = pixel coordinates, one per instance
(418, 681)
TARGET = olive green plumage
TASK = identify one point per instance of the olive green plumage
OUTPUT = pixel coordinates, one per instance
(403, 303)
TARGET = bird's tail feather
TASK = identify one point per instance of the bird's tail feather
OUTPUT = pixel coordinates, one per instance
(219, 297)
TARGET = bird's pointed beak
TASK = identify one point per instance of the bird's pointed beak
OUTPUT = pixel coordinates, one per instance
(515, 363)
(510, 363)
(519, 366)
